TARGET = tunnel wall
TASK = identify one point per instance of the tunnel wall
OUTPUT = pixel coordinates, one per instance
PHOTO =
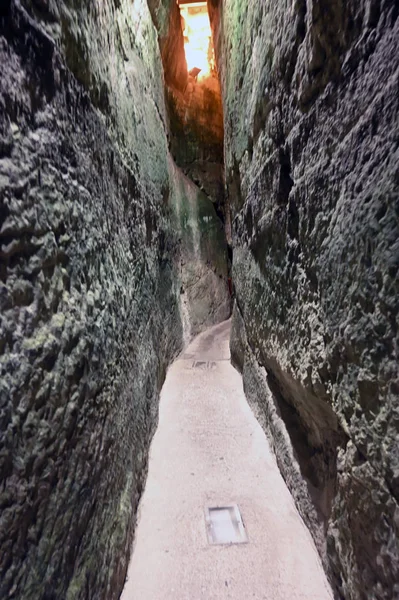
(90, 288)
(195, 115)
(310, 95)
(205, 299)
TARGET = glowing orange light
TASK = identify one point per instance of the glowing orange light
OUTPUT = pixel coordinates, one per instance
(197, 37)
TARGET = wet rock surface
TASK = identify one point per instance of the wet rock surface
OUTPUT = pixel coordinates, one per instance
(90, 288)
(311, 124)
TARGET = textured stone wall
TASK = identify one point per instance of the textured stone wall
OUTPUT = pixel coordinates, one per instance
(90, 288)
(194, 110)
(196, 143)
(167, 20)
(310, 95)
(195, 139)
(202, 247)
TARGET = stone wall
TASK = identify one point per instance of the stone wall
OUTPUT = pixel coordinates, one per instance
(90, 288)
(195, 139)
(196, 143)
(203, 256)
(310, 95)
(166, 18)
(194, 109)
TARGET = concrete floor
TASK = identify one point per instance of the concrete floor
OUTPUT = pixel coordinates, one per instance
(209, 450)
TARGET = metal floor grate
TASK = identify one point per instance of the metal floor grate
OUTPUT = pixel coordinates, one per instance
(205, 365)
(224, 525)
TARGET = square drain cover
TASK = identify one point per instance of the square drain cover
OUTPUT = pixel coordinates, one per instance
(205, 365)
(224, 525)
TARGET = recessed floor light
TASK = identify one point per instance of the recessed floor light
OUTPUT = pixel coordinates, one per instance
(224, 525)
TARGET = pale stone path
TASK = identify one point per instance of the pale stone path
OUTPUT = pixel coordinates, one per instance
(209, 450)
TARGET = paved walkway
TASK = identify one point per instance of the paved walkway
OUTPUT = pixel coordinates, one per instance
(210, 451)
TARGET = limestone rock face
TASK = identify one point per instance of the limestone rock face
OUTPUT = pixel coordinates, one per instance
(310, 96)
(203, 256)
(194, 110)
(90, 288)
(195, 135)
(196, 124)
(167, 20)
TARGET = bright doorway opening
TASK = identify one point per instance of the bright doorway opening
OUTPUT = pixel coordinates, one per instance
(198, 43)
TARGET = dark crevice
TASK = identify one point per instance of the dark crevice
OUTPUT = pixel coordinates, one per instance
(317, 462)
(293, 220)
(285, 180)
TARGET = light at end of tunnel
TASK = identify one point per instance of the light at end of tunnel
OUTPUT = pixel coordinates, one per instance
(197, 38)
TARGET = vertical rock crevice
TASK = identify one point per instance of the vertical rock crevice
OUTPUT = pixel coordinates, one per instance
(195, 132)
(113, 223)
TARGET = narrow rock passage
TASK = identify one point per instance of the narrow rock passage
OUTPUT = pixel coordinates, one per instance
(209, 450)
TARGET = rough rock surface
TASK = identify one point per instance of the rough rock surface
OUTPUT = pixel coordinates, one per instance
(203, 256)
(195, 136)
(310, 97)
(196, 124)
(90, 288)
(194, 108)
(167, 20)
